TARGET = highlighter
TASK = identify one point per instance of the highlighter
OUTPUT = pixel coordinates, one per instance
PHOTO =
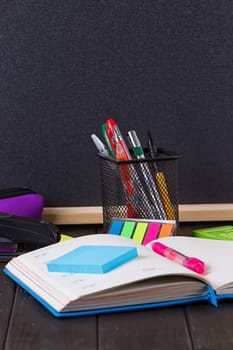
(190, 263)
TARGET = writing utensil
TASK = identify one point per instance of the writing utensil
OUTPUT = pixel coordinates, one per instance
(137, 201)
(99, 145)
(161, 181)
(124, 169)
(191, 263)
(118, 147)
(120, 150)
(106, 139)
(103, 150)
(115, 138)
(151, 146)
(149, 180)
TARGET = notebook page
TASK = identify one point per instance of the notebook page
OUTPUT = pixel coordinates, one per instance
(73, 286)
(217, 254)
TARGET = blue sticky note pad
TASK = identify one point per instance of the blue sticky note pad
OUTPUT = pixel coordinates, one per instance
(92, 259)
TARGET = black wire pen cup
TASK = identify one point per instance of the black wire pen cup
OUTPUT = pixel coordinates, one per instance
(142, 189)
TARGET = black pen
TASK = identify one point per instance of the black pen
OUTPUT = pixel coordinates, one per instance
(153, 150)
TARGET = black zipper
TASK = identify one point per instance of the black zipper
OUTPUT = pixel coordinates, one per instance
(15, 191)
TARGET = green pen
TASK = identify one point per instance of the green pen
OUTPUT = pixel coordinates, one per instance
(136, 145)
(104, 132)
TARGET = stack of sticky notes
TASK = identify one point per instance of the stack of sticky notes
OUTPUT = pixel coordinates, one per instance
(92, 259)
(142, 231)
(220, 232)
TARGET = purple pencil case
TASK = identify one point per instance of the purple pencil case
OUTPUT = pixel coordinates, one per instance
(21, 201)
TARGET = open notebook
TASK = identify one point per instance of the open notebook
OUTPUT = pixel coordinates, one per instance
(148, 280)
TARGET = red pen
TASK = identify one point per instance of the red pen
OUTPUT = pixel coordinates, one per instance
(116, 139)
(122, 153)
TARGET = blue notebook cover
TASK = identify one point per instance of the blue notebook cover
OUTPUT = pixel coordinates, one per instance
(97, 294)
(207, 297)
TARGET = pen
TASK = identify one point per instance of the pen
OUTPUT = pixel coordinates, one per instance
(136, 145)
(120, 150)
(151, 146)
(104, 132)
(103, 150)
(118, 147)
(137, 201)
(99, 145)
(161, 181)
(191, 263)
(116, 139)
(154, 194)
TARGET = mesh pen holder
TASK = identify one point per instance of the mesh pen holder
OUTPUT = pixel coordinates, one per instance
(145, 189)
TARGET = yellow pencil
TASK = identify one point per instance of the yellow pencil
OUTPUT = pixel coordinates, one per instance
(161, 182)
(164, 195)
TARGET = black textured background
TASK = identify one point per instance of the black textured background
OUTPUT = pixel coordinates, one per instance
(66, 66)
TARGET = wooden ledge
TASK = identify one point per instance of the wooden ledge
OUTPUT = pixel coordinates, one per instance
(206, 212)
(74, 215)
(94, 215)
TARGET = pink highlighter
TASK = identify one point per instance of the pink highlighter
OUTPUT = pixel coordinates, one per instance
(191, 263)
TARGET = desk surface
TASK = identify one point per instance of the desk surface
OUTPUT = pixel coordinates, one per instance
(25, 324)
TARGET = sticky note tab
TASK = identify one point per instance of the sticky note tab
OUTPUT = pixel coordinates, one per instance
(128, 229)
(140, 232)
(92, 259)
(165, 230)
(115, 228)
(65, 238)
(152, 232)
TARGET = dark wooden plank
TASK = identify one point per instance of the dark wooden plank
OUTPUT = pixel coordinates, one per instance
(7, 292)
(33, 327)
(148, 329)
(211, 328)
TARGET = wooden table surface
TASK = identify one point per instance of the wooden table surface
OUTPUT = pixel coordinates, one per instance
(26, 324)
